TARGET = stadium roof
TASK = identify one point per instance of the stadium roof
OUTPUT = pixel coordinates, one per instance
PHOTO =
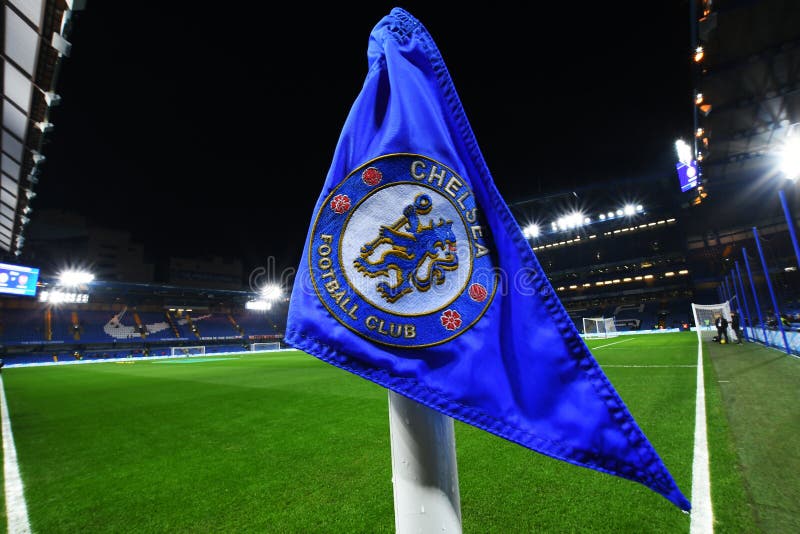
(34, 41)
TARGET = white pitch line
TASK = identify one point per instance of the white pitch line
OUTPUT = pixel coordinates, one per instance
(702, 517)
(649, 366)
(609, 344)
(16, 508)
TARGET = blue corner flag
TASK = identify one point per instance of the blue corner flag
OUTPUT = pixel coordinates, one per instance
(416, 276)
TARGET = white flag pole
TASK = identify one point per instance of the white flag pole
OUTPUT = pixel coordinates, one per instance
(424, 468)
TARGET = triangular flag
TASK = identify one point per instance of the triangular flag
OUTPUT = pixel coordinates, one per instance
(416, 276)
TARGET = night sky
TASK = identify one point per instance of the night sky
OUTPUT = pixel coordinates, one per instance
(210, 129)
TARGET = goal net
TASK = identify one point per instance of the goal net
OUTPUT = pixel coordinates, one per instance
(264, 347)
(599, 327)
(705, 317)
(187, 351)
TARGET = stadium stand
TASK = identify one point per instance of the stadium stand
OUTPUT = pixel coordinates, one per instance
(148, 324)
(606, 258)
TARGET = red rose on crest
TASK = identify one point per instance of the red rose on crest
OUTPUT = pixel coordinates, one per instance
(372, 176)
(451, 319)
(340, 204)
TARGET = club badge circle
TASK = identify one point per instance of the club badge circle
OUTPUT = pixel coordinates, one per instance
(399, 253)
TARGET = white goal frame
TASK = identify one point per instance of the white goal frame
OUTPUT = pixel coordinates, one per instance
(188, 351)
(265, 347)
(599, 327)
(704, 315)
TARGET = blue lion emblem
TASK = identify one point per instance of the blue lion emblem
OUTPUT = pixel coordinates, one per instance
(416, 257)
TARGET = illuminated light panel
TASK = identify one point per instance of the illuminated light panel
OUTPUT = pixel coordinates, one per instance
(531, 231)
(258, 305)
(684, 151)
(74, 278)
(790, 158)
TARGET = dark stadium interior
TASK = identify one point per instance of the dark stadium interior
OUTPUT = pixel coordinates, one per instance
(641, 250)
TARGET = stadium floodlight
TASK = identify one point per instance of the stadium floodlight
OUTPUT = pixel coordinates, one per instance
(629, 209)
(610, 215)
(71, 277)
(531, 231)
(620, 212)
(51, 98)
(790, 158)
(602, 216)
(573, 220)
(44, 126)
(698, 54)
(684, 151)
(271, 292)
(639, 208)
(258, 305)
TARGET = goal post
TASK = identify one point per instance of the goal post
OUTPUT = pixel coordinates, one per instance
(199, 350)
(265, 347)
(705, 316)
(599, 327)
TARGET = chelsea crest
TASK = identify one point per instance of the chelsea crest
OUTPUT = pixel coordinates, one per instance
(399, 253)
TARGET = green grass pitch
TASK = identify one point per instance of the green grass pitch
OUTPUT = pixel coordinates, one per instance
(281, 442)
